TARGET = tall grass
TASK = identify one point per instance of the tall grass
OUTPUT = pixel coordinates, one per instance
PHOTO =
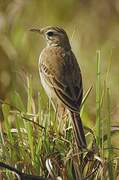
(98, 101)
(109, 142)
(33, 143)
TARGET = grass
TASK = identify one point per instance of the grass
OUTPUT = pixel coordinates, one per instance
(98, 102)
(33, 144)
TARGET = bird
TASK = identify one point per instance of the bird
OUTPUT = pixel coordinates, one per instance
(61, 77)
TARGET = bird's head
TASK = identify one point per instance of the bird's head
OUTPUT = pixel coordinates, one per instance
(55, 36)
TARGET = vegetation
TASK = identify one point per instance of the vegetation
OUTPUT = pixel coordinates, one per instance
(30, 139)
(33, 143)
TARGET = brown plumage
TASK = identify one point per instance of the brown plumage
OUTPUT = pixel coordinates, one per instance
(61, 77)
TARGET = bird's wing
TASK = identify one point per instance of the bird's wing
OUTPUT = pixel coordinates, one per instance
(64, 77)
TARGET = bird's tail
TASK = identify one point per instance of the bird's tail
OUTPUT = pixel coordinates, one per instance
(78, 130)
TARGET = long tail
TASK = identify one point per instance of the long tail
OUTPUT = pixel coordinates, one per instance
(78, 130)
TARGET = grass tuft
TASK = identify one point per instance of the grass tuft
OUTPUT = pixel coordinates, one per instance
(33, 143)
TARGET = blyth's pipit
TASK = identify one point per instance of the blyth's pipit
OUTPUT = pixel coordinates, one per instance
(61, 77)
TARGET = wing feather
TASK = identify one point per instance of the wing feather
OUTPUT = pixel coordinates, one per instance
(68, 86)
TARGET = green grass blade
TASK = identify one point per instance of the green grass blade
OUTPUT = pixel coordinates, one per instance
(28, 125)
(98, 98)
(109, 144)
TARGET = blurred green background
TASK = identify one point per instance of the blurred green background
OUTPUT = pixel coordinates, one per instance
(91, 25)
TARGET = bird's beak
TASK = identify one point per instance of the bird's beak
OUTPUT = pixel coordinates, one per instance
(36, 30)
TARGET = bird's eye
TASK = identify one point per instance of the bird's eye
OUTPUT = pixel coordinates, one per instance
(50, 33)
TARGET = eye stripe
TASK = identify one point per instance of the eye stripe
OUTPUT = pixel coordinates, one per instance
(56, 30)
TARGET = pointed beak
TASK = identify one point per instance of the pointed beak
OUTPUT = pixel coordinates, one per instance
(35, 30)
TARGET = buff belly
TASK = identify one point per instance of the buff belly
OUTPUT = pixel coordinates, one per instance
(50, 92)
